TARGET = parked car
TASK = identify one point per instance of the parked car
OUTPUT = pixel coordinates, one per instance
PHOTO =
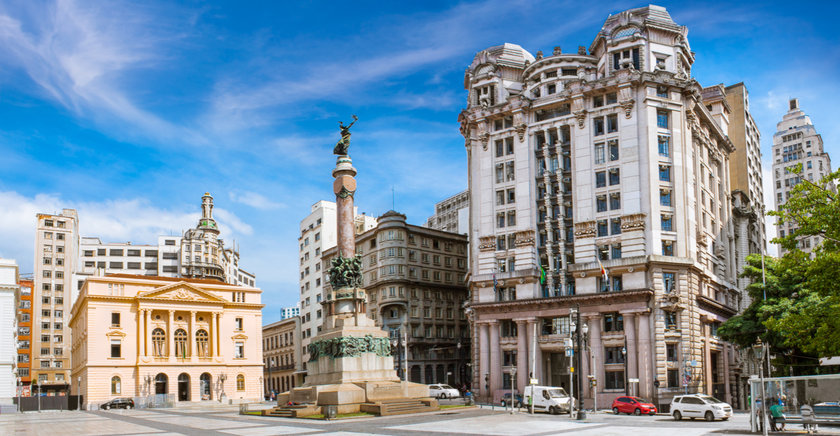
(506, 400)
(699, 406)
(634, 405)
(549, 399)
(118, 403)
(442, 391)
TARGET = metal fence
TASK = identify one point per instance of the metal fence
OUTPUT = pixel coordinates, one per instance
(821, 392)
(156, 401)
(45, 402)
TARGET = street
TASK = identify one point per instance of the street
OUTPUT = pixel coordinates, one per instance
(225, 421)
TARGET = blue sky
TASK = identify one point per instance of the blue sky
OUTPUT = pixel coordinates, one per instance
(130, 111)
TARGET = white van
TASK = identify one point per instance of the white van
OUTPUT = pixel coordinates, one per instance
(550, 399)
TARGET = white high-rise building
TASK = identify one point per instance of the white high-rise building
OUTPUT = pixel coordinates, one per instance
(288, 312)
(452, 214)
(317, 234)
(9, 297)
(796, 142)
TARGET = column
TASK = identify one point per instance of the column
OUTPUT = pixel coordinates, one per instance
(170, 336)
(483, 355)
(707, 359)
(726, 374)
(495, 358)
(212, 339)
(191, 344)
(521, 355)
(533, 352)
(147, 331)
(645, 361)
(632, 349)
(219, 334)
(597, 352)
(141, 329)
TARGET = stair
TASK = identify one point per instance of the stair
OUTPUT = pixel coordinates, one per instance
(290, 411)
(400, 407)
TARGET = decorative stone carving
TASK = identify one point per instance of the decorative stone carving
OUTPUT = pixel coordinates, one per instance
(525, 238)
(582, 50)
(487, 243)
(585, 229)
(633, 222)
(580, 115)
(627, 105)
(539, 54)
(346, 272)
(344, 192)
(520, 131)
(557, 50)
(349, 346)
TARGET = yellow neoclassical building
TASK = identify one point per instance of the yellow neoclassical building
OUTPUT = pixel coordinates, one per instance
(141, 336)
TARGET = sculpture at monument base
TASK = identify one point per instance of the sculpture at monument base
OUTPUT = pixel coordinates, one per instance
(350, 365)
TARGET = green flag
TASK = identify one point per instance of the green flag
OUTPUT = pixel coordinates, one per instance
(542, 275)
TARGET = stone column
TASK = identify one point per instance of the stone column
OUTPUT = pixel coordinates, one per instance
(141, 343)
(632, 349)
(533, 352)
(521, 355)
(645, 361)
(597, 352)
(707, 359)
(344, 188)
(495, 358)
(147, 331)
(170, 336)
(218, 316)
(214, 350)
(484, 355)
(191, 344)
(727, 392)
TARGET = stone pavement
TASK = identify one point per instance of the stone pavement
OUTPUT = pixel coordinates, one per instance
(218, 421)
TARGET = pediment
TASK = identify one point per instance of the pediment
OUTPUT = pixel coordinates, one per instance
(181, 291)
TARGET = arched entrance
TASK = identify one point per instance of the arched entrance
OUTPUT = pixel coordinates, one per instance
(184, 387)
(160, 383)
(204, 387)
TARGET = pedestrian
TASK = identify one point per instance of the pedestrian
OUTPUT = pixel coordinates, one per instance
(808, 418)
(777, 416)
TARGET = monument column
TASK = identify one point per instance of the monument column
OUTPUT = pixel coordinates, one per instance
(521, 354)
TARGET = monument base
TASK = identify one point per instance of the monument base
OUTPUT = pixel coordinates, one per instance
(377, 397)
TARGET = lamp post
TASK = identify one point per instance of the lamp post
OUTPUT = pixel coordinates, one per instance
(512, 388)
(460, 366)
(624, 359)
(222, 378)
(79, 393)
(760, 349)
(581, 331)
(396, 342)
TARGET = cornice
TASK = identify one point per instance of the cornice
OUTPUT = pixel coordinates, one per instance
(596, 299)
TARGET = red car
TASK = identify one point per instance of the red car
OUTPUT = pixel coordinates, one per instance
(634, 405)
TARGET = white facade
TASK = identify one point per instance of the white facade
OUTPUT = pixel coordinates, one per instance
(9, 295)
(289, 312)
(796, 142)
(318, 234)
(452, 214)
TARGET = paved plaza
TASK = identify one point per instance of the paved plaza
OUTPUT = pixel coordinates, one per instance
(226, 421)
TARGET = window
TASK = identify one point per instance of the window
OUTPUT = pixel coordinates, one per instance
(662, 119)
(239, 350)
(602, 228)
(669, 281)
(670, 320)
(500, 222)
(664, 173)
(240, 382)
(601, 203)
(612, 123)
(613, 146)
(616, 253)
(238, 323)
(613, 322)
(667, 248)
(598, 125)
(115, 319)
(600, 179)
(201, 343)
(614, 176)
(665, 197)
(511, 218)
(614, 380)
(615, 226)
(181, 343)
(664, 146)
(115, 386)
(615, 201)
(116, 348)
(158, 342)
(671, 352)
(667, 222)
(613, 355)
(673, 378)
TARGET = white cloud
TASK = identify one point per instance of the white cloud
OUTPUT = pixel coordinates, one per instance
(255, 200)
(121, 220)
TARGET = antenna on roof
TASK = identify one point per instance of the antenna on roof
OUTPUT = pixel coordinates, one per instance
(393, 199)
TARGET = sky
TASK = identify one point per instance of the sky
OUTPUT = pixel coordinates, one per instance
(130, 111)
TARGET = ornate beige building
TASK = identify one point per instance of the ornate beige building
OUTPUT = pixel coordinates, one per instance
(282, 356)
(193, 339)
(607, 155)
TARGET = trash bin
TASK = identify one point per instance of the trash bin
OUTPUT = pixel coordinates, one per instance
(330, 412)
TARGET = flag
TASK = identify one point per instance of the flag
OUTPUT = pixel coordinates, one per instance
(542, 275)
(603, 270)
(495, 283)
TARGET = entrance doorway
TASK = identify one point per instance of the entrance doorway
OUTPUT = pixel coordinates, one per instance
(204, 387)
(558, 365)
(183, 387)
(160, 383)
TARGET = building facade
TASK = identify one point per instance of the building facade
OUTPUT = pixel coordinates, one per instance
(281, 356)
(24, 336)
(318, 234)
(415, 281)
(452, 214)
(56, 254)
(9, 301)
(599, 180)
(198, 253)
(289, 312)
(191, 339)
(796, 142)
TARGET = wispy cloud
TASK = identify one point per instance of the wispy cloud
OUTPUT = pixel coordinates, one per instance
(255, 200)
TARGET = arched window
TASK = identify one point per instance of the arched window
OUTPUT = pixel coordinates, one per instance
(116, 388)
(201, 343)
(181, 343)
(161, 380)
(158, 342)
(204, 386)
(240, 382)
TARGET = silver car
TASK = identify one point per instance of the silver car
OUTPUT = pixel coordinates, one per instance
(443, 391)
(699, 406)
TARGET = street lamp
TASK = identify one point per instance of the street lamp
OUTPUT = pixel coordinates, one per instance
(624, 359)
(79, 393)
(460, 368)
(760, 349)
(512, 388)
(222, 378)
(581, 332)
(396, 342)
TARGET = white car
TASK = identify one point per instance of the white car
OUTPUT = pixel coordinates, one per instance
(700, 406)
(442, 391)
